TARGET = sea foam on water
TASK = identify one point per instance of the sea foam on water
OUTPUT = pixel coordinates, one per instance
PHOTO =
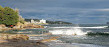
(72, 31)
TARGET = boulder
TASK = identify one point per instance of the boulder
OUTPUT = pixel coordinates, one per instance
(51, 39)
(2, 26)
(20, 37)
(14, 37)
(19, 25)
(33, 26)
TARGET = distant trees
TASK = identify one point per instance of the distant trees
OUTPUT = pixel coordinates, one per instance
(8, 16)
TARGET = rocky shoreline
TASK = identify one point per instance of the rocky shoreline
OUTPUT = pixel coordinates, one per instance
(29, 26)
(29, 43)
(21, 40)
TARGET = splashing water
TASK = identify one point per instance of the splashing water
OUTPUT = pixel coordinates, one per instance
(73, 31)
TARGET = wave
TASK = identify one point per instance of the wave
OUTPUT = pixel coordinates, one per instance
(98, 33)
(73, 31)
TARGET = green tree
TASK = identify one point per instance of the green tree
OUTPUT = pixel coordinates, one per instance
(8, 16)
(1, 14)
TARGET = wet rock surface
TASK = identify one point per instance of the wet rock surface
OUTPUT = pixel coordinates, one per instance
(29, 43)
(20, 41)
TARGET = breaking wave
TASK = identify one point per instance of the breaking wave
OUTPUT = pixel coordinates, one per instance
(73, 31)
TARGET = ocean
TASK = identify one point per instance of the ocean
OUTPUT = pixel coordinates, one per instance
(72, 35)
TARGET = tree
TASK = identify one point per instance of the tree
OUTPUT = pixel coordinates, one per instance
(8, 16)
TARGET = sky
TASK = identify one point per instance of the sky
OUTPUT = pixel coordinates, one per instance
(74, 11)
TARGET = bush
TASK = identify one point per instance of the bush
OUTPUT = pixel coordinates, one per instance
(8, 16)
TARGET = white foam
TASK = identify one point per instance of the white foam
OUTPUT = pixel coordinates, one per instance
(73, 31)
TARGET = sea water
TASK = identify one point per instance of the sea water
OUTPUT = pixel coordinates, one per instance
(73, 35)
(81, 36)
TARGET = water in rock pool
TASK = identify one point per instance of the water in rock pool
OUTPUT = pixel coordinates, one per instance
(73, 36)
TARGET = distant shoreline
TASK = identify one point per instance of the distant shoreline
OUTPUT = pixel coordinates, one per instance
(50, 22)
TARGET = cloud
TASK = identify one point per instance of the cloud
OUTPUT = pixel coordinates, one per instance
(75, 11)
(67, 14)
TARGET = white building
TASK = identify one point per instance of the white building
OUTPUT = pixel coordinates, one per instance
(42, 21)
(32, 21)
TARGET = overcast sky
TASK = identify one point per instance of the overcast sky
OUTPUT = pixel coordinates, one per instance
(74, 11)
